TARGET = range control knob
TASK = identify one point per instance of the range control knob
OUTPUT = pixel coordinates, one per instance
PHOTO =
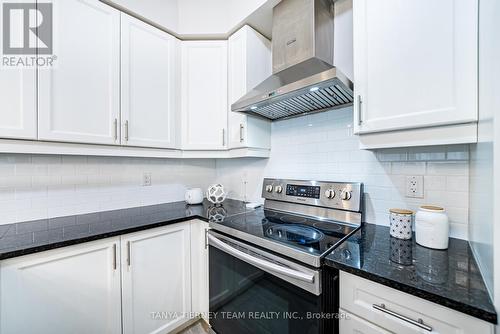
(278, 189)
(330, 193)
(346, 195)
(269, 188)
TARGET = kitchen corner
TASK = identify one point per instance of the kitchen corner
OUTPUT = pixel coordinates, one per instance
(249, 167)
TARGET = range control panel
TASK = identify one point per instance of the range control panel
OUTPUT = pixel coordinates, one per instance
(303, 191)
(337, 195)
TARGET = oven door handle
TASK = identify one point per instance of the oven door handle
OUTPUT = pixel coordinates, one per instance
(260, 263)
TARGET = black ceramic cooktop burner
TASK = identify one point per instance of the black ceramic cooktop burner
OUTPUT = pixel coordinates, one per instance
(306, 234)
(288, 219)
(299, 234)
(329, 227)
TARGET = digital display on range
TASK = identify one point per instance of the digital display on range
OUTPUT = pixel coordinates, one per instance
(303, 191)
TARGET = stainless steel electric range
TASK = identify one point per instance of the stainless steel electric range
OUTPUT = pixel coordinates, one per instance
(265, 265)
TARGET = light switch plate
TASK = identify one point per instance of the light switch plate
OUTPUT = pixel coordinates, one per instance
(415, 186)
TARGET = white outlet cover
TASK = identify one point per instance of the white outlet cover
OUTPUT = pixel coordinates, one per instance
(146, 179)
(415, 186)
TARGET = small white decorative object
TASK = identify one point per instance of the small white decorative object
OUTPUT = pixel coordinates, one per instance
(432, 227)
(400, 221)
(194, 196)
(216, 193)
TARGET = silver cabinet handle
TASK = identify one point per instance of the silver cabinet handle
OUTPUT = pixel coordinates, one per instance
(360, 114)
(241, 133)
(116, 129)
(128, 253)
(260, 263)
(126, 130)
(419, 322)
(223, 137)
(206, 238)
(114, 257)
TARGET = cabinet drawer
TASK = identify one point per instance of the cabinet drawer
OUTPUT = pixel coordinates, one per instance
(358, 296)
(351, 324)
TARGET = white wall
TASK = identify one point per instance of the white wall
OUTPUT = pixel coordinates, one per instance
(213, 17)
(162, 12)
(481, 164)
(193, 17)
(484, 230)
(322, 147)
(35, 187)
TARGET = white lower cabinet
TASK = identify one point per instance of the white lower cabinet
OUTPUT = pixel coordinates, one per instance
(360, 297)
(68, 290)
(140, 283)
(199, 267)
(156, 279)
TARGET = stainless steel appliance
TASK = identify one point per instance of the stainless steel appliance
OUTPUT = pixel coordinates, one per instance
(304, 78)
(265, 264)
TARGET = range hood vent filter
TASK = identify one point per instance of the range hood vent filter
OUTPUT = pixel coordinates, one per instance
(315, 100)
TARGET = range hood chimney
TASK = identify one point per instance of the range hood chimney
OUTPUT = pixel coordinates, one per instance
(304, 79)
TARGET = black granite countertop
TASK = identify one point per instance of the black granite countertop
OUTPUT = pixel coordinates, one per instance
(447, 277)
(41, 235)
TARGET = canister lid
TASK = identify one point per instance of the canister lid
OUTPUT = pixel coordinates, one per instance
(401, 211)
(432, 208)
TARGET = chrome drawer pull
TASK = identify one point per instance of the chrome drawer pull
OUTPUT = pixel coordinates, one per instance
(419, 323)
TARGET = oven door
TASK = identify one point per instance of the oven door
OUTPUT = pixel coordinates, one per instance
(253, 291)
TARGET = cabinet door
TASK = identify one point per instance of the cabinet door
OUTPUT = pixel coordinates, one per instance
(156, 279)
(18, 103)
(199, 266)
(351, 324)
(69, 290)
(79, 98)
(204, 95)
(415, 63)
(249, 63)
(148, 87)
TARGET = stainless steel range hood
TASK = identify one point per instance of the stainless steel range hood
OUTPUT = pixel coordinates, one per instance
(304, 79)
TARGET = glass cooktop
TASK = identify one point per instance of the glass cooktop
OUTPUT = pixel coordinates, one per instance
(298, 237)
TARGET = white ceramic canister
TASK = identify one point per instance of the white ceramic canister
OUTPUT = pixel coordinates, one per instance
(194, 196)
(432, 227)
(401, 223)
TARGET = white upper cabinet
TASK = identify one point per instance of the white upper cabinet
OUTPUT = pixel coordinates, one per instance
(68, 290)
(249, 63)
(149, 90)
(18, 116)
(415, 66)
(156, 277)
(79, 98)
(204, 95)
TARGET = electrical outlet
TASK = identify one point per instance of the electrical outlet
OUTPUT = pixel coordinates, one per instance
(415, 186)
(146, 179)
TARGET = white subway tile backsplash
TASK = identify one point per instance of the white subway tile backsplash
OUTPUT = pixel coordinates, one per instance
(457, 183)
(409, 168)
(434, 182)
(37, 187)
(298, 153)
(449, 168)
